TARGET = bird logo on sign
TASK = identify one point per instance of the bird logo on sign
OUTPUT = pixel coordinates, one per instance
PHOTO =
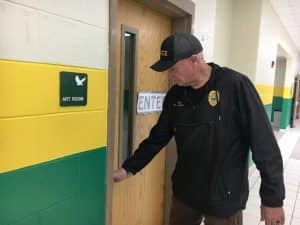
(79, 82)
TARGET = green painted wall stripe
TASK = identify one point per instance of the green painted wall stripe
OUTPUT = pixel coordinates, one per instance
(250, 160)
(277, 103)
(67, 191)
(286, 113)
(284, 105)
(268, 109)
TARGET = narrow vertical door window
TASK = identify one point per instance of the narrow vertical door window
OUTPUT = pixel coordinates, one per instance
(128, 99)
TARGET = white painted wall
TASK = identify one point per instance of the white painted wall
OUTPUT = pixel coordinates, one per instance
(204, 25)
(69, 32)
(272, 34)
(244, 37)
(223, 26)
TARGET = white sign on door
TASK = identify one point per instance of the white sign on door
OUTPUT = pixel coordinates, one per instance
(149, 102)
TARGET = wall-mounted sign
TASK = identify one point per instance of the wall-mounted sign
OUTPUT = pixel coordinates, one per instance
(73, 88)
(149, 102)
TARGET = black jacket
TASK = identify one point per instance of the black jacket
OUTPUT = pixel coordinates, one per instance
(214, 128)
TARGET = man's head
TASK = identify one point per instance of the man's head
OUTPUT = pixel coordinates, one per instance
(175, 48)
(181, 57)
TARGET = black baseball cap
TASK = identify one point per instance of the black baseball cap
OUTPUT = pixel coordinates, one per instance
(176, 47)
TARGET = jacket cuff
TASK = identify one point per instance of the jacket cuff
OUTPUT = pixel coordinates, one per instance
(273, 204)
(128, 170)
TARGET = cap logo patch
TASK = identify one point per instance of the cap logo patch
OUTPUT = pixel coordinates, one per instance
(213, 98)
(164, 53)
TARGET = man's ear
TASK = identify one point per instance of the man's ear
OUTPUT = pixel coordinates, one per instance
(194, 58)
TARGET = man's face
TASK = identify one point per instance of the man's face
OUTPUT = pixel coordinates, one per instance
(182, 73)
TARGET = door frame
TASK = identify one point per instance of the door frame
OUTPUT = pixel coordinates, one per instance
(296, 87)
(182, 13)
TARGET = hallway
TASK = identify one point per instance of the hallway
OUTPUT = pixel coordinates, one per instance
(289, 142)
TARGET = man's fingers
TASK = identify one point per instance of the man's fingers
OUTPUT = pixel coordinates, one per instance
(272, 216)
(274, 221)
(283, 219)
(119, 175)
(268, 222)
(262, 216)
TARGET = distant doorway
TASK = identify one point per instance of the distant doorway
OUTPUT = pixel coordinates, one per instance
(282, 93)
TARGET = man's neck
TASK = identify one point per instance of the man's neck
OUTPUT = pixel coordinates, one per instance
(203, 77)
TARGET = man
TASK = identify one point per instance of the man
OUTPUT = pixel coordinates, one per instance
(216, 116)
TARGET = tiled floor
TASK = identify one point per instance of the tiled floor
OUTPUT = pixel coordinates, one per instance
(287, 141)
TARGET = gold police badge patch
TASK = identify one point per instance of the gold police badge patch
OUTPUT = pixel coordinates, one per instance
(213, 98)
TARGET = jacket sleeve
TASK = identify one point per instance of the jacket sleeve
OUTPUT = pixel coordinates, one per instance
(159, 136)
(263, 144)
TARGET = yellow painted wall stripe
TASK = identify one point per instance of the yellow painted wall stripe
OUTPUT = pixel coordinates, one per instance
(33, 89)
(284, 92)
(32, 140)
(34, 128)
(267, 92)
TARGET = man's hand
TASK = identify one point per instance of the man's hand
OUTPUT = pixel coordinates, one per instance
(119, 175)
(272, 216)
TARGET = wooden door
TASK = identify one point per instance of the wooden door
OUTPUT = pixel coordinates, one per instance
(139, 199)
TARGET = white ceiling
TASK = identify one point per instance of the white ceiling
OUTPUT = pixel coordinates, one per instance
(289, 14)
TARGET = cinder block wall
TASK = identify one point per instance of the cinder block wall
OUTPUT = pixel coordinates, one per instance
(52, 158)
